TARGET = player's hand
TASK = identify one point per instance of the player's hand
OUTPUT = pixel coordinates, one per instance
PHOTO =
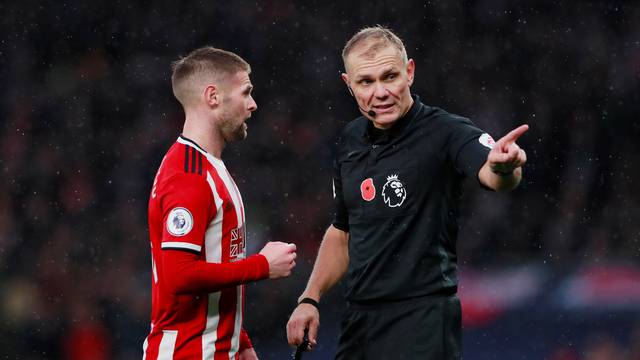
(281, 257)
(506, 155)
(305, 316)
(248, 354)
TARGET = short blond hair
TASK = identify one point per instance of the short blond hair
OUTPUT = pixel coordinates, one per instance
(376, 37)
(206, 62)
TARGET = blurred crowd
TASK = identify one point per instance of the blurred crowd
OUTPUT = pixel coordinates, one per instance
(87, 113)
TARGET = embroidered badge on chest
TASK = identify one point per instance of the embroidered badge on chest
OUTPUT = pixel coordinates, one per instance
(394, 192)
(367, 189)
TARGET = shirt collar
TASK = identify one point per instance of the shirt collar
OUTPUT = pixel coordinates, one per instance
(398, 126)
(186, 141)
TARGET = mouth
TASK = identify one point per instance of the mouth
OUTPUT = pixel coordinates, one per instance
(383, 108)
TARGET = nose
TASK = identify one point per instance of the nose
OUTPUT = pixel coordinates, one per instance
(252, 104)
(380, 90)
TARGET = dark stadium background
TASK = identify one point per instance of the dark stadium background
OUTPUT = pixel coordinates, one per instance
(550, 271)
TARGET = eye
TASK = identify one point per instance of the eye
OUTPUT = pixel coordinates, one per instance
(392, 76)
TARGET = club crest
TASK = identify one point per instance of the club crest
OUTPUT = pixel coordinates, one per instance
(393, 192)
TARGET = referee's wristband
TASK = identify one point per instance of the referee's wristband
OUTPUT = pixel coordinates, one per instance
(309, 301)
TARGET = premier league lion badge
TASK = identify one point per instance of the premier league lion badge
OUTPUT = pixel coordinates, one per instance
(179, 222)
(394, 192)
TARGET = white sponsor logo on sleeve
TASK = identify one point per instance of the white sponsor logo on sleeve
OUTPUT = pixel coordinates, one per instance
(486, 140)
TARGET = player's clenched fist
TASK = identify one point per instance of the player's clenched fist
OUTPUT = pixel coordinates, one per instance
(281, 257)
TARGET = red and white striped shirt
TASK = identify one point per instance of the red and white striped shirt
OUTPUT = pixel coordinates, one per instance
(199, 264)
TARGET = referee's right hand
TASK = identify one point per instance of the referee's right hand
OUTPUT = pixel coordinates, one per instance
(305, 316)
(281, 258)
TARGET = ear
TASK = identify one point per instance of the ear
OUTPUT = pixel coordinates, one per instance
(212, 95)
(411, 70)
(345, 78)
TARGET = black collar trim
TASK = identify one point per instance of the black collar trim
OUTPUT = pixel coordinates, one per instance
(399, 125)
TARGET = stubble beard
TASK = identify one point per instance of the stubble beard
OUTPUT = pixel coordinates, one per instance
(232, 131)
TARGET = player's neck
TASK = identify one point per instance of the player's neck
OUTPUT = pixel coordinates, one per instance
(204, 134)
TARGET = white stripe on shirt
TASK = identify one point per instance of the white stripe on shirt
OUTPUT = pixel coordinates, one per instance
(181, 245)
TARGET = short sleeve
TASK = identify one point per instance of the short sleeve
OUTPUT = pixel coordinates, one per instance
(340, 214)
(468, 146)
(186, 212)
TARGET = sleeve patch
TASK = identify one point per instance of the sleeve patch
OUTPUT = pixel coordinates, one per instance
(179, 222)
(486, 140)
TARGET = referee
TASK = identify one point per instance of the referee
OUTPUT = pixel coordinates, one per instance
(397, 184)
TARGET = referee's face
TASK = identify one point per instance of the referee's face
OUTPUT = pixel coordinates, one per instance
(380, 83)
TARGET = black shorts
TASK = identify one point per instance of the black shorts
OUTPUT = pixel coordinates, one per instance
(427, 328)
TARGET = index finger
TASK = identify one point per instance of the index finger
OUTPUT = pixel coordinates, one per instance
(514, 134)
(294, 335)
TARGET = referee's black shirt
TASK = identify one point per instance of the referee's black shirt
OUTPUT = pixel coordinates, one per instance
(397, 193)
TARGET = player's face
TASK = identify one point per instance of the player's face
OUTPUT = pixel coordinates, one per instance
(237, 105)
(381, 84)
